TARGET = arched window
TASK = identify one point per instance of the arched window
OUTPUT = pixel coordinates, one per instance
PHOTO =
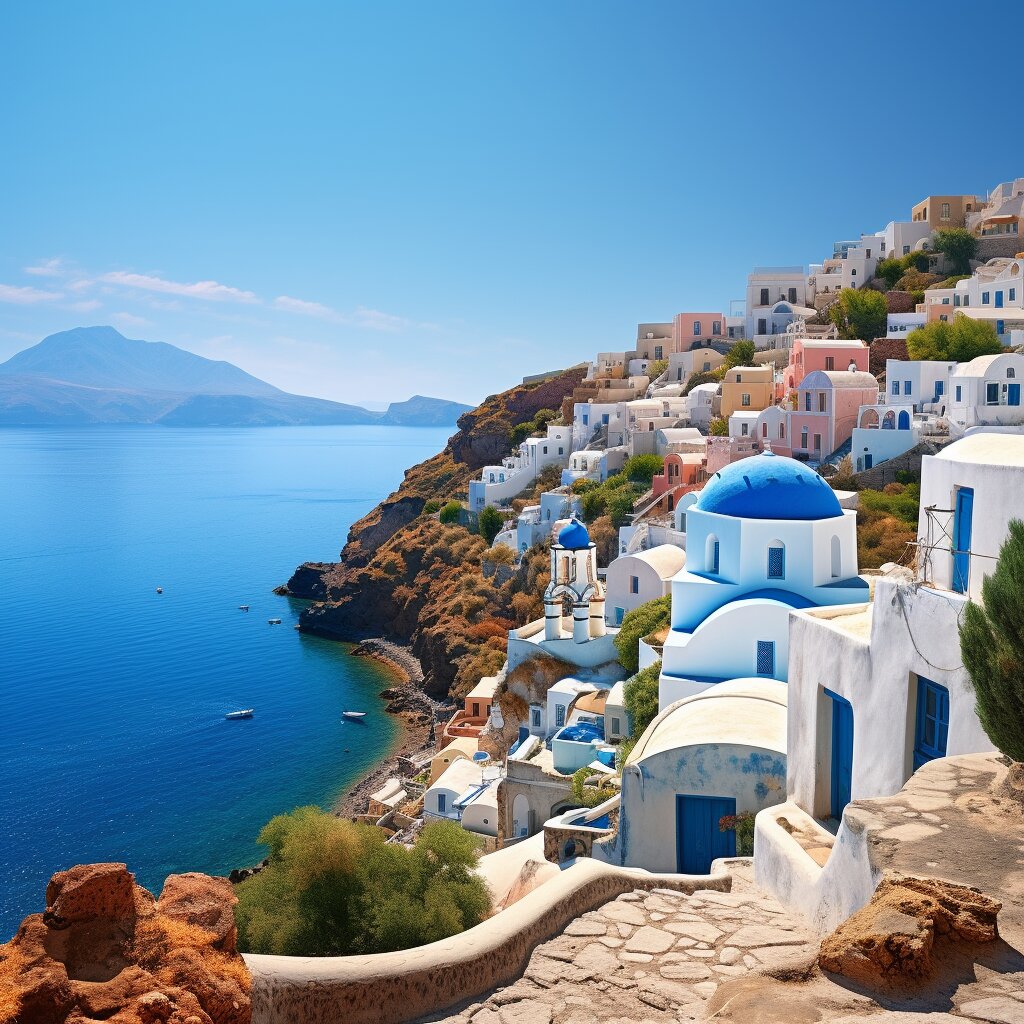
(711, 553)
(904, 421)
(837, 556)
(1011, 372)
(889, 420)
(776, 560)
(869, 420)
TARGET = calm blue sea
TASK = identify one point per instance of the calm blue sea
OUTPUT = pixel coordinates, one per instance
(113, 744)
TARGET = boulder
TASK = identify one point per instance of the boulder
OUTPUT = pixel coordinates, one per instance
(105, 949)
(892, 938)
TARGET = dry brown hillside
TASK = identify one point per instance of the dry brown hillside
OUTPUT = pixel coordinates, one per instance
(405, 576)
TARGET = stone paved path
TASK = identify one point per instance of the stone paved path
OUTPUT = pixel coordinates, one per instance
(646, 957)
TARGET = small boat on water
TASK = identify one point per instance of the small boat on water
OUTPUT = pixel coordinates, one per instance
(159, 590)
(243, 607)
(274, 622)
(355, 716)
(247, 713)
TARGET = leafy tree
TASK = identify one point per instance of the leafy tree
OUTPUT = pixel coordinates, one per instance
(741, 354)
(582, 485)
(860, 313)
(450, 513)
(520, 432)
(335, 888)
(890, 270)
(593, 504)
(641, 468)
(958, 245)
(641, 694)
(656, 368)
(620, 506)
(489, 523)
(992, 647)
(638, 623)
(959, 340)
(719, 427)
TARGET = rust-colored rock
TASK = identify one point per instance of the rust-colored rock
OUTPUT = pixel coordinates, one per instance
(104, 949)
(892, 938)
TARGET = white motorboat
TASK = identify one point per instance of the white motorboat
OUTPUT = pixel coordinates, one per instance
(356, 716)
(247, 713)
(274, 622)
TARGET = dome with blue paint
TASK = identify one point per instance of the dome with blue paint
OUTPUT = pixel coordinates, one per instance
(769, 486)
(574, 536)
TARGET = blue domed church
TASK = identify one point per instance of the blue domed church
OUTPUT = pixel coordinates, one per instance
(765, 535)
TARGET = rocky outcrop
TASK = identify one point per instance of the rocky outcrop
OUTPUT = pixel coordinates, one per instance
(105, 949)
(406, 575)
(893, 937)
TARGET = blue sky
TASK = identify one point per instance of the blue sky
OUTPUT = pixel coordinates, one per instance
(365, 201)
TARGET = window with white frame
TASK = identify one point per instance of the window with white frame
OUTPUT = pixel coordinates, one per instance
(745, 399)
(696, 329)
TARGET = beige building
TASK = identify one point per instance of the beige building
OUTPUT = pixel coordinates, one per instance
(945, 211)
(747, 388)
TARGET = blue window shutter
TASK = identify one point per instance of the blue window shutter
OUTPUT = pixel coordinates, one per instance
(766, 657)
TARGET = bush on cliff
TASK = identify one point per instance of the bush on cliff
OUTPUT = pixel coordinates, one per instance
(449, 514)
(959, 340)
(637, 624)
(489, 523)
(641, 695)
(640, 469)
(335, 888)
(992, 646)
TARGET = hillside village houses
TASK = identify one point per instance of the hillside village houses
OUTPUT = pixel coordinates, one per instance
(788, 678)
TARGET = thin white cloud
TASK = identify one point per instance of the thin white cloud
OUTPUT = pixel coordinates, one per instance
(85, 306)
(209, 291)
(22, 295)
(130, 320)
(317, 309)
(53, 267)
(371, 319)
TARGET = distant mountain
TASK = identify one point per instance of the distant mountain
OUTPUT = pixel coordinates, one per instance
(95, 375)
(419, 411)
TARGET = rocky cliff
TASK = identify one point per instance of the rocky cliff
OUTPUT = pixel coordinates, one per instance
(407, 577)
(105, 949)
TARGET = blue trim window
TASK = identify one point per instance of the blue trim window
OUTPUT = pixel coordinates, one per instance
(1013, 294)
(959, 392)
(932, 728)
(534, 718)
(895, 387)
(442, 801)
(777, 562)
(696, 329)
(714, 556)
(766, 657)
(984, 298)
(559, 716)
(940, 387)
(716, 325)
(906, 387)
(634, 584)
(807, 401)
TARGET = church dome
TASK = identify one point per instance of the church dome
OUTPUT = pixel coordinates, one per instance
(574, 536)
(769, 486)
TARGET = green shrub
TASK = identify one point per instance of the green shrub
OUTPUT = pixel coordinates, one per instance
(890, 270)
(637, 624)
(430, 507)
(743, 826)
(641, 695)
(584, 795)
(704, 377)
(641, 468)
(620, 506)
(450, 513)
(583, 484)
(656, 368)
(593, 504)
(489, 523)
(959, 340)
(741, 354)
(336, 888)
(902, 501)
(992, 647)
(958, 245)
(719, 427)
(860, 313)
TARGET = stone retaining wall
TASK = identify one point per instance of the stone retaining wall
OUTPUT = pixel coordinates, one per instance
(391, 988)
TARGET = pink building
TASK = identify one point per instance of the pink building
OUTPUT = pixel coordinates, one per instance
(827, 403)
(828, 354)
(700, 329)
(681, 473)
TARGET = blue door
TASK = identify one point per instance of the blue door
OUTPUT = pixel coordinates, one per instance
(999, 300)
(698, 838)
(932, 725)
(842, 752)
(904, 420)
(869, 460)
(963, 515)
(1013, 394)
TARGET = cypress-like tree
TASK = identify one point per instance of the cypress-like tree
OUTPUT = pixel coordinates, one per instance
(992, 647)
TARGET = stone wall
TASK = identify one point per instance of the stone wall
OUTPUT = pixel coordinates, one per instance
(390, 988)
(998, 245)
(910, 462)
